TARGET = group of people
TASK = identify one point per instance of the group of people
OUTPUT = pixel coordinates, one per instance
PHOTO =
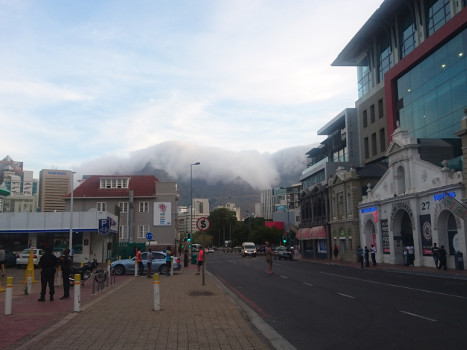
(439, 256)
(363, 255)
(48, 264)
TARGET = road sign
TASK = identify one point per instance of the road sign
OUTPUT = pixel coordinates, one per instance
(203, 224)
(149, 235)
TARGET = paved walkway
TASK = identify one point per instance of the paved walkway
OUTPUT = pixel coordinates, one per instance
(192, 316)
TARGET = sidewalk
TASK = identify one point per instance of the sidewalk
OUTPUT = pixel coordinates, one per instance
(192, 316)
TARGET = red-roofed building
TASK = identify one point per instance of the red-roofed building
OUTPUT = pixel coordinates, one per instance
(143, 203)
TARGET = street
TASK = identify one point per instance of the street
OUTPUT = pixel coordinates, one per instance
(325, 306)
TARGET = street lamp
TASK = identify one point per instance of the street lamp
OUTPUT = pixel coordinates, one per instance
(191, 203)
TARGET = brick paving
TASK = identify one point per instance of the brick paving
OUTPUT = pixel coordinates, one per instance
(192, 316)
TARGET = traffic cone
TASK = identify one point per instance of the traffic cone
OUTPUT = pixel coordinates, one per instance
(30, 267)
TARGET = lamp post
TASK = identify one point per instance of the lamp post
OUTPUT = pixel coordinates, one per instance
(191, 204)
(70, 240)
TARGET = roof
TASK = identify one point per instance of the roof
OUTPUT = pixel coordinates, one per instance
(351, 54)
(141, 185)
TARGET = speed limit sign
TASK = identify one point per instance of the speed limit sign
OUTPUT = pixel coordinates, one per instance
(202, 224)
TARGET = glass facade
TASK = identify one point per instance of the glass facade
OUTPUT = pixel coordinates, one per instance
(432, 96)
(438, 12)
(406, 35)
(363, 78)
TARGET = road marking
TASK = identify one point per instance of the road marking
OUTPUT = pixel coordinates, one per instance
(308, 284)
(284, 277)
(419, 316)
(395, 285)
(346, 295)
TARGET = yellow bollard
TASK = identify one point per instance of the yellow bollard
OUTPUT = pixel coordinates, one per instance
(8, 295)
(157, 294)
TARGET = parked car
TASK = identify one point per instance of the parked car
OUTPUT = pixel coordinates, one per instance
(282, 253)
(127, 266)
(10, 258)
(22, 258)
(211, 250)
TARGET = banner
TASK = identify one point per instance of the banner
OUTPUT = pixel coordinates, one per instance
(162, 214)
(427, 239)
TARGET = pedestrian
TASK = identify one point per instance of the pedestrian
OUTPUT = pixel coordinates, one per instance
(411, 253)
(65, 264)
(373, 254)
(406, 257)
(268, 252)
(139, 260)
(366, 253)
(360, 256)
(48, 262)
(185, 258)
(168, 260)
(435, 252)
(336, 251)
(149, 262)
(2, 260)
(442, 258)
(200, 259)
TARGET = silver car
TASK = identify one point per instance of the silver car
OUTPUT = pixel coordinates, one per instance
(127, 266)
(22, 258)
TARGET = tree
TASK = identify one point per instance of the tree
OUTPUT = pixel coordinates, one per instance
(222, 222)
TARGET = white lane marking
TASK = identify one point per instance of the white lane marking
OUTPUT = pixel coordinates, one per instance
(308, 284)
(285, 277)
(395, 285)
(419, 316)
(346, 295)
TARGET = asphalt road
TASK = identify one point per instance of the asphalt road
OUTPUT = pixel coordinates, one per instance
(317, 306)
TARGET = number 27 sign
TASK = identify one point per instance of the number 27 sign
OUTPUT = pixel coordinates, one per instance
(202, 224)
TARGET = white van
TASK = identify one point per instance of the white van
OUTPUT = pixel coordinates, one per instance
(248, 248)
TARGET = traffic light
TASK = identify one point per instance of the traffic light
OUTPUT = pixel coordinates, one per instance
(189, 237)
(284, 239)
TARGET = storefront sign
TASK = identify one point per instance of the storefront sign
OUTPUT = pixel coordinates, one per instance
(427, 239)
(385, 236)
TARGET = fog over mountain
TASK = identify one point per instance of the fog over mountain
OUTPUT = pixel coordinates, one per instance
(223, 175)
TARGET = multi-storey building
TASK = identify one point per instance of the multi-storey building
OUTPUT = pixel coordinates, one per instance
(412, 86)
(22, 193)
(142, 202)
(54, 185)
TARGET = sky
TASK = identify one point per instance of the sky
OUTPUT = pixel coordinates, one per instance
(96, 82)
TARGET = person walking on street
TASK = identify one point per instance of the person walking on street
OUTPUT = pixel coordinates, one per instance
(168, 260)
(366, 253)
(411, 252)
(435, 252)
(336, 251)
(2, 260)
(200, 259)
(65, 265)
(360, 256)
(139, 260)
(442, 258)
(268, 252)
(373, 254)
(48, 262)
(149, 262)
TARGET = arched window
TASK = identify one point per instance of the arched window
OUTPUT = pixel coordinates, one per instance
(400, 180)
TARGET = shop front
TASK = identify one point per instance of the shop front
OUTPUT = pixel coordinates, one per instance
(313, 242)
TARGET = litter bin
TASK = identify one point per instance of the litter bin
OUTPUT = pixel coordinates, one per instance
(459, 260)
(194, 257)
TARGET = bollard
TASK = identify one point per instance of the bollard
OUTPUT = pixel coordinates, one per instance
(136, 268)
(157, 295)
(172, 268)
(8, 295)
(108, 273)
(77, 293)
(29, 282)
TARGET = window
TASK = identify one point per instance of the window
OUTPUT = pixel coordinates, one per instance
(142, 230)
(365, 118)
(374, 150)
(363, 78)
(380, 109)
(123, 232)
(340, 204)
(114, 183)
(123, 207)
(382, 139)
(437, 13)
(101, 206)
(385, 57)
(372, 114)
(367, 148)
(349, 202)
(406, 34)
(144, 207)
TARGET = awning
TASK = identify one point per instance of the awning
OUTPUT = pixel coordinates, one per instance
(317, 232)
